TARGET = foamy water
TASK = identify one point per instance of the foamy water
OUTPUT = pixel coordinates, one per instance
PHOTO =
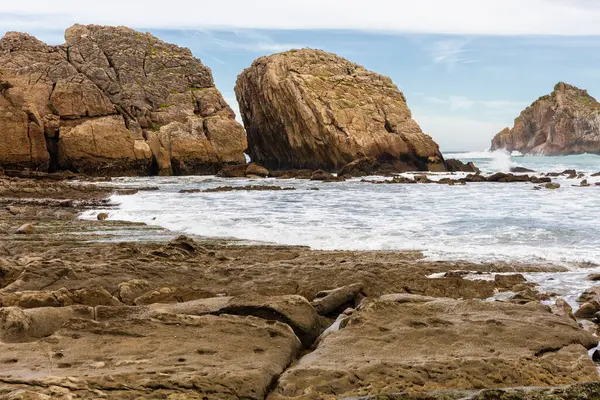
(476, 222)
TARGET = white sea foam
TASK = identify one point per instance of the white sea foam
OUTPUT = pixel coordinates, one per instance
(478, 222)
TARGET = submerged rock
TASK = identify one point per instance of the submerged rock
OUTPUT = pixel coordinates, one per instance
(311, 109)
(112, 101)
(567, 121)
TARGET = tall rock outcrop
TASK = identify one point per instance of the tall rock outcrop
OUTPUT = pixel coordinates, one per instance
(112, 101)
(311, 109)
(567, 121)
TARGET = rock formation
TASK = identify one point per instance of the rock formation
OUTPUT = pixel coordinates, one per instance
(311, 109)
(567, 121)
(112, 101)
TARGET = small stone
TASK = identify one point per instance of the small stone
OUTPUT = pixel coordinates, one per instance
(102, 216)
(26, 229)
(584, 183)
(593, 277)
(552, 186)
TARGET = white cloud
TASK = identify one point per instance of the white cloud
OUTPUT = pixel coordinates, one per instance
(247, 40)
(459, 103)
(493, 17)
(459, 134)
(450, 52)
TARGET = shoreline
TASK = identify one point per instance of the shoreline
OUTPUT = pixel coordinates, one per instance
(135, 298)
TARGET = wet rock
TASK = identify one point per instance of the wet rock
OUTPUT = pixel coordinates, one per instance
(587, 310)
(552, 186)
(520, 170)
(478, 344)
(102, 216)
(320, 175)
(26, 229)
(591, 294)
(360, 167)
(593, 277)
(453, 165)
(508, 281)
(475, 178)
(289, 174)
(584, 183)
(257, 170)
(562, 308)
(502, 177)
(233, 171)
(249, 188)
(330, 301)
(311, 109)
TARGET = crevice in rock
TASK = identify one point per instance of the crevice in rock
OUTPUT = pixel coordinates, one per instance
(388, 126)
(52, 148)
(154, 167)
(547, 350)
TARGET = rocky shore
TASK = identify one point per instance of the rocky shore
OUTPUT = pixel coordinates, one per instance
(110, 309)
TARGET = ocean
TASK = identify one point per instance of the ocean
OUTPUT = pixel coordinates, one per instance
(477, 222)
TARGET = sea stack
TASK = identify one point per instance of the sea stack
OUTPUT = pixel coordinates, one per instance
(112, 101)
(567, 121)
(312, 109)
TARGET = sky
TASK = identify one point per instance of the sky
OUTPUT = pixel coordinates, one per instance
(466, 67)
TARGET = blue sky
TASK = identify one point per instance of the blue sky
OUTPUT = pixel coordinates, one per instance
(464, 82)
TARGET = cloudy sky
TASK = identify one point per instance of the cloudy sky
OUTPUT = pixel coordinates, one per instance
(467, 67)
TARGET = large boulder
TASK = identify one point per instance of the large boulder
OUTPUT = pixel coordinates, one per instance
(567, 121)
(311, 109)
(112, 101)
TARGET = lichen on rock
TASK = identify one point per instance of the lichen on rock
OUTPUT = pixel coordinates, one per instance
(567, 121)
(312, 109)
(112, 101)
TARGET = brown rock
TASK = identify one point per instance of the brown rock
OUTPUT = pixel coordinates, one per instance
(388, 347)
(295, 311)
(255, 169)
(311, 109)
(330, 301)
(320, 175)
(563, 122)
(124, 355)
(112, 101)
(363, 166)
(233, 171)
(587, 310)
(102, 216)
(26, 229)
(453, 165)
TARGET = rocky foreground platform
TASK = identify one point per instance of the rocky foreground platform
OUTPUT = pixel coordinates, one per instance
(116, 310)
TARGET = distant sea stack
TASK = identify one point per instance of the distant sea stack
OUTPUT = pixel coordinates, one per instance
(567, 121)
(311, 109)
(112, 101)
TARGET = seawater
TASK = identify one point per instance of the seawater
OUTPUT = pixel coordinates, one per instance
(479, 222)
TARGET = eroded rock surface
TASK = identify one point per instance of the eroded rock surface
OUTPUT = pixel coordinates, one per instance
(567, 121)
(112, 101)
(430, 344)
(311, 109)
